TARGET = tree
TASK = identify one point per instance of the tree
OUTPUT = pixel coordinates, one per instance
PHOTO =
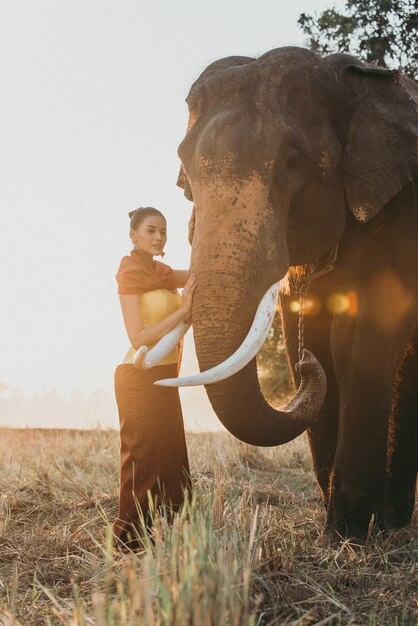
(384, 32)
(273, 368)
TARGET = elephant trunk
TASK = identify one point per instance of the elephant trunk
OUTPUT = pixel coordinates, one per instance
(238, 400)
(239, 251)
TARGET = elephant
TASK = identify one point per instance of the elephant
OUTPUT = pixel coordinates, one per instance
(303, 169)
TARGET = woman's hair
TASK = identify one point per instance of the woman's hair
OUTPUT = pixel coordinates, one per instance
(138, 216)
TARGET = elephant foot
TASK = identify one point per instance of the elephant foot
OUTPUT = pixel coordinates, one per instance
(329, 539)
(399, 508)
(356, 531)
(334, 537)
(398, 517)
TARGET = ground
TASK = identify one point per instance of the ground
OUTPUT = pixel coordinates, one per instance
(246, 553)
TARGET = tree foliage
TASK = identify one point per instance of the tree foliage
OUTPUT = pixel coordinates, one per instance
(384, 32)
(273, 368)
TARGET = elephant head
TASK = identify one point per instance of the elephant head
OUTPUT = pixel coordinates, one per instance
(277, 153)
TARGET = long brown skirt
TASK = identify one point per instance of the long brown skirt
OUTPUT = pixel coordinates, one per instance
(153, 454)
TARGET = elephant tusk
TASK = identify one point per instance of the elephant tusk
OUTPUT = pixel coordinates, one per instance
(144, 358)
(252, 343)
(139, 357)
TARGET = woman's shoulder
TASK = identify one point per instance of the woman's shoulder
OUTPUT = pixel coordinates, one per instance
(126, 277)
(127, 262)
(134, 278)
(162, 268)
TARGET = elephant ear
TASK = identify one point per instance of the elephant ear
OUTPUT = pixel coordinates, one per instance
(381, 153)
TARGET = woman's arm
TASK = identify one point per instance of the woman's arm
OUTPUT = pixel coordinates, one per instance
(140, 336)
(180, 278)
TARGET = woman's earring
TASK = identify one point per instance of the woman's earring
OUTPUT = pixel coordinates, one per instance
(162, 255)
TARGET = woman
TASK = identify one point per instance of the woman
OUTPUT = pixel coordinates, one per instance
(153, 447)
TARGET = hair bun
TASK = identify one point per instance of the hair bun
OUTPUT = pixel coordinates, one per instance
(139, 214)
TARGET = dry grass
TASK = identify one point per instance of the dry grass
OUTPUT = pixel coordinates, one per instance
(245, 553)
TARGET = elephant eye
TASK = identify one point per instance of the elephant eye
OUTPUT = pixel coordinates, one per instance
(293, 159)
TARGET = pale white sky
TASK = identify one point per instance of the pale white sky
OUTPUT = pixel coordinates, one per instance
(91, 114)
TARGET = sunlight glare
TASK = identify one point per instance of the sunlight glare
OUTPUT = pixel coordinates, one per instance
(338, 303)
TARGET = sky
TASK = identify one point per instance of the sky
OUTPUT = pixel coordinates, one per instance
(91, 114)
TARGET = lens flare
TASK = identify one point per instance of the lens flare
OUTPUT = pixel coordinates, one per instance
(389, 301)
(310, 306)
(340, 303)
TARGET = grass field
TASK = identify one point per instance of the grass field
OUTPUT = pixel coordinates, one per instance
(246, 553)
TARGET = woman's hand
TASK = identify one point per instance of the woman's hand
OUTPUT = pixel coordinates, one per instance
(187, 295)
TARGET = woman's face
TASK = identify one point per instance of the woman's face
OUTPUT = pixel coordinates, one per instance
(151, 235)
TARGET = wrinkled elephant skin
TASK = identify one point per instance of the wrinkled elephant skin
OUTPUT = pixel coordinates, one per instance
(284, 157)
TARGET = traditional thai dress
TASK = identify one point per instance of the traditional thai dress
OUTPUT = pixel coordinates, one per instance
(153, 454)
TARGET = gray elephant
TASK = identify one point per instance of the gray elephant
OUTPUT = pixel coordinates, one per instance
(286, 156)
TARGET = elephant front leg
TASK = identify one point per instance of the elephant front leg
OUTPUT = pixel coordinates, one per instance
(366, 376)
(403, 443)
